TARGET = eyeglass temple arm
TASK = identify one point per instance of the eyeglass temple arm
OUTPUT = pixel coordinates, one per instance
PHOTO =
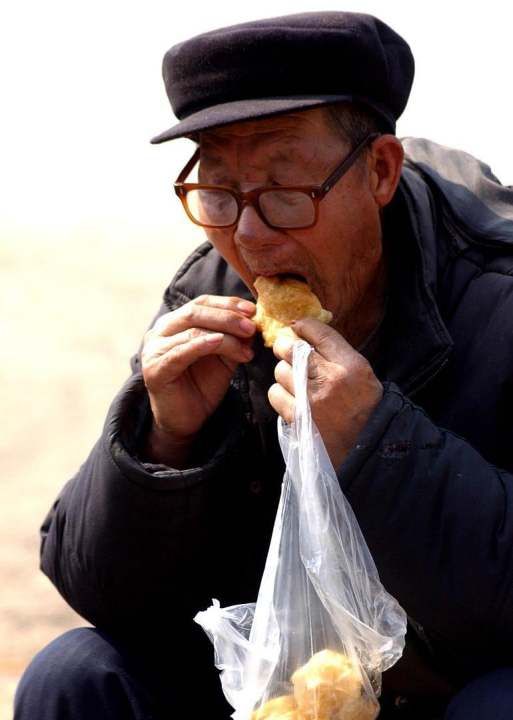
(346, 164)
(187, 169)
(335, 175)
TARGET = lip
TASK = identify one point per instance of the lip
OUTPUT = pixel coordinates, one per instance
(278, 273)
(312, 284)
(270, 263)
(268, 266)
(283, 274)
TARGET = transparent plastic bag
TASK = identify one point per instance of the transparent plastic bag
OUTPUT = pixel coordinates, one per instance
(323, 628)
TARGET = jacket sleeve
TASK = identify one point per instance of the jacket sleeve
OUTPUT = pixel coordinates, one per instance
(438, 520)
(131, 546)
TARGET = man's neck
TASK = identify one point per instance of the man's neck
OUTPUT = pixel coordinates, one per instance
(367, 313)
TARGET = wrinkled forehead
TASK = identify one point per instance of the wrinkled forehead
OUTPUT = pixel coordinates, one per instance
(285, 138)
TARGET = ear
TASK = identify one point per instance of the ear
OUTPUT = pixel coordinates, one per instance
(385, 162)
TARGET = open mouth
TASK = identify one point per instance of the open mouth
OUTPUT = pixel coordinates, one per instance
(291, 276)
(286, 276)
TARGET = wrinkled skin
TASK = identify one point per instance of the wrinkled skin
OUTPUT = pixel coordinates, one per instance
(192, 353)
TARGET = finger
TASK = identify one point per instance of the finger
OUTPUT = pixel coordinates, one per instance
(247, 307)
(326, 340)
(178, 358)
(237, 304)
(284, 376)
(207, 317)
(317, 365)
(282, 348)
(282, 401)
(224, 345)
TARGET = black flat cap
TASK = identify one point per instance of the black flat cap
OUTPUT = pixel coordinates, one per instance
(267, 67)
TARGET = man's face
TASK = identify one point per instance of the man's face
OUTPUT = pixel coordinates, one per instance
(338, 256)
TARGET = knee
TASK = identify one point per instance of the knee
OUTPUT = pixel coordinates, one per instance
(489, 696)
(70, 670)
(71, 658)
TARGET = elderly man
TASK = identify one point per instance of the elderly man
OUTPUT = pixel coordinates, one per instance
(300, 173)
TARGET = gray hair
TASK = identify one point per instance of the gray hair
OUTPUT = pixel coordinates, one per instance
(352, 121)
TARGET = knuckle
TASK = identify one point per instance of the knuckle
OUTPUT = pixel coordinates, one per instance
(362, 369)
(150, 378)
(202, 299)
(325, 334)
(340, 374)
(330, 374)
(188, 313)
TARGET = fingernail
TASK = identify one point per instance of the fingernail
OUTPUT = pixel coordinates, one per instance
(246, 307)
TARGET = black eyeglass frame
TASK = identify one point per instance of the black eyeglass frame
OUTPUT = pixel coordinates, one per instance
(251, 197)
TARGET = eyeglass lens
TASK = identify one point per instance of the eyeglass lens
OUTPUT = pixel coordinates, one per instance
(281, 208)
(212, 207)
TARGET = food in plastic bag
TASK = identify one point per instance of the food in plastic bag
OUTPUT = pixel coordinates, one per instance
(328, 683)
(280, 302)
(328, 687)
(323, 629)
(280, 708)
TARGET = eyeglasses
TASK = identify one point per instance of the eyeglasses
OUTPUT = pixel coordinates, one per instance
(285, 207)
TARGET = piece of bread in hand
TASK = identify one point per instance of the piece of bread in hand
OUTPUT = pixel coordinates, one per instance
(280, 302)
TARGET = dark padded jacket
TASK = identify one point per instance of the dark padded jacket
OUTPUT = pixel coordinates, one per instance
(138, 549)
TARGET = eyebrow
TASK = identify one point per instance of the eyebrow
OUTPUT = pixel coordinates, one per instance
(275, 156)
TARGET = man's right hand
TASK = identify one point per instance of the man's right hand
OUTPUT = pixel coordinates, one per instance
(188, 360)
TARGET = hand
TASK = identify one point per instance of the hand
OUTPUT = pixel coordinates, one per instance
(188, 360)
(342, 388)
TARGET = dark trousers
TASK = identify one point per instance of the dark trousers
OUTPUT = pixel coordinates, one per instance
(84, 675)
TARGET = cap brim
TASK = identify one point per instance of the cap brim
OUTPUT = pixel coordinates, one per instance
(232, 112)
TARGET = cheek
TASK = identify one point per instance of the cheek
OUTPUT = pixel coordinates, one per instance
(223, 242)
(348, 249)
(352, 218)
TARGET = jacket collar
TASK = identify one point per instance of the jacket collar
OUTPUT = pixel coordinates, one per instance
(413, 342)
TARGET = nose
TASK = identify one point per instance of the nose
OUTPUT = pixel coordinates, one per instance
(251, 231)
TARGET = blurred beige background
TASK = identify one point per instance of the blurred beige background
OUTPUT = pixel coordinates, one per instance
(73, 310)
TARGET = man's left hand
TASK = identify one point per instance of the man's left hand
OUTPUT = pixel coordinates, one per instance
(342, 388)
